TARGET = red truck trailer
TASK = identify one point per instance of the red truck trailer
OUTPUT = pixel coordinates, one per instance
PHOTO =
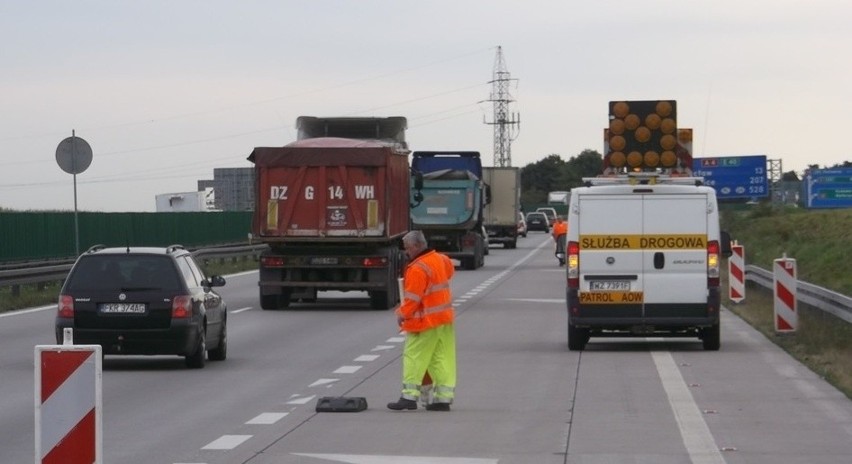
(333, 210)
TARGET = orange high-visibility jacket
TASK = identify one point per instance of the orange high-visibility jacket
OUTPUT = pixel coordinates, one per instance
(559, 228)
(427, 301)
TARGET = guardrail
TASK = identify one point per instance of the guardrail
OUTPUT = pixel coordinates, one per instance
(41, 275)
(810, 294)
(813, 295)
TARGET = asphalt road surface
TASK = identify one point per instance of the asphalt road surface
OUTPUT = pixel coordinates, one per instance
(522, 397)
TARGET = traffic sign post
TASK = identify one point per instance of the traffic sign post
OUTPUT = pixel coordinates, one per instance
(68, 404)
(736, 273)
(734, 176)
(784, 283)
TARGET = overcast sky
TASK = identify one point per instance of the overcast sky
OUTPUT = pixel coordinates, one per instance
(166, 91)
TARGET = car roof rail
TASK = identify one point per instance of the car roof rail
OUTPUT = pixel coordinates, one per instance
(173, 248)
(95, 248)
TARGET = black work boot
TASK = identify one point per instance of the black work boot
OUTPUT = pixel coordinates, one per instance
(402, 404)
(438, 407)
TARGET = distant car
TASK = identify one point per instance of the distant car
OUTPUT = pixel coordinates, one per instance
(549, 212)
(538, 221)
(144, 301)
(522, 225)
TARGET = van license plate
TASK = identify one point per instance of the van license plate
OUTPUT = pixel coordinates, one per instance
(607, 285)
(324, 260)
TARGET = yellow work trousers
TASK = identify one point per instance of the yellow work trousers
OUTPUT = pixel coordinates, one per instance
(433, 350)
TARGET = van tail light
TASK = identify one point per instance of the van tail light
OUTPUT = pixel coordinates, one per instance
(572, 259)
(181, 307)
(66, 307)
(713, 264)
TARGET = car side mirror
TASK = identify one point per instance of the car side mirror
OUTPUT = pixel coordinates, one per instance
(215, 281)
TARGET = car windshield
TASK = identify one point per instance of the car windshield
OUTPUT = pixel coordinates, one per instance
(124, 272)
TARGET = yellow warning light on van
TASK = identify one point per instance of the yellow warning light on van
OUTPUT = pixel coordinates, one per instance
(640, 132)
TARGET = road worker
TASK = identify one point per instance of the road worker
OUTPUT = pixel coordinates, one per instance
(426, 316)
(560, 233)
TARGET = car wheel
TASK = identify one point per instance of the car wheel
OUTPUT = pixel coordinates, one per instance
(220, 352)
(197, 358)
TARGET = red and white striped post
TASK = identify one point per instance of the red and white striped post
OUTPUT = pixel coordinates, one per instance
(68, 416)
(785, 282)
(736, 273)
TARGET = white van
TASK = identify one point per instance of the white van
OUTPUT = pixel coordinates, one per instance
(644, 259)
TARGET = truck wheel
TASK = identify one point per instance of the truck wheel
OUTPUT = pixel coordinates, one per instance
(379, 300)
(711, 337)
(276, 301)
(577, 338)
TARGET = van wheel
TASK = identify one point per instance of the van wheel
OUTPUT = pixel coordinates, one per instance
(711, 337)
(577, 338)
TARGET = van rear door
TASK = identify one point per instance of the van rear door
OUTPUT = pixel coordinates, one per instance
(648, 251)
(674, 248)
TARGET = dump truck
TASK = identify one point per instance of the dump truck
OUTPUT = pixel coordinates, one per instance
(453, 197)
(503, 185)
(333, 207)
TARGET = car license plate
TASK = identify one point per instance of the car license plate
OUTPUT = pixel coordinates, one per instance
(122, 308)
(609, 285)
(324, 260)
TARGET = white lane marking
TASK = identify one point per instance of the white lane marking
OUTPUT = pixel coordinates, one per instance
(366, 358)
(241, 310)
(379, 459)
(696, 435)
(347, 370)
(267, 418)
(226, 442)
(383, 348)
(322, 382)
(395, 340)
(303, 400)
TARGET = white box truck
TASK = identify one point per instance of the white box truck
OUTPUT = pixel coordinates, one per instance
(501, 213)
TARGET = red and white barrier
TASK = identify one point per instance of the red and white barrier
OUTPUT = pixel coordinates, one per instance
(68, 416)
(736, 273)
(784, 277)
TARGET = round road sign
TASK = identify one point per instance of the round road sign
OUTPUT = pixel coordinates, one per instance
(74, 155)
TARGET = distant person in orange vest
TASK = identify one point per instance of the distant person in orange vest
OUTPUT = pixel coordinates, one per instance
(560, 233)
(426, 316)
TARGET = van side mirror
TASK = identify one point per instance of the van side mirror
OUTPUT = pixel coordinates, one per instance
(725, 239)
